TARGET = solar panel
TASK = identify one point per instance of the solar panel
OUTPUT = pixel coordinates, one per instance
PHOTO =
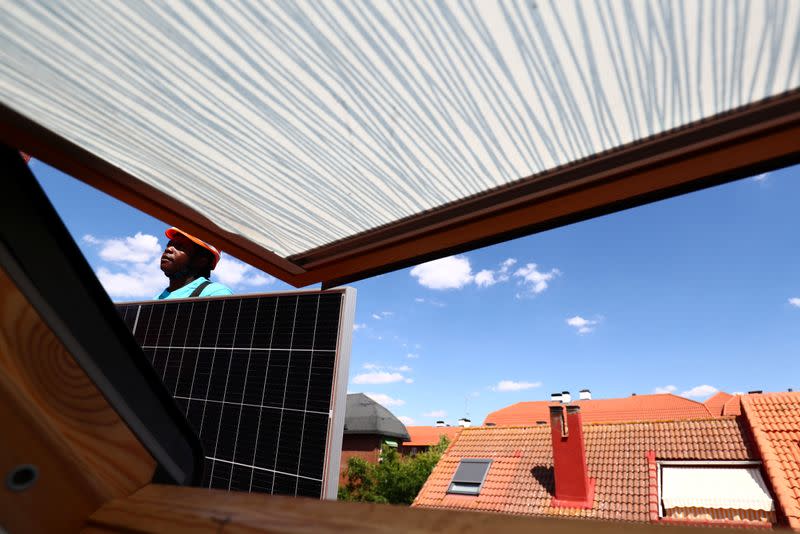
(261, 378)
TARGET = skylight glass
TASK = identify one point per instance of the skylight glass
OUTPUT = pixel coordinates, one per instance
(469, 476)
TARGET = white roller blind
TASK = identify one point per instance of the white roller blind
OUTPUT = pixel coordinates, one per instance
(299, 123)
(715, 487)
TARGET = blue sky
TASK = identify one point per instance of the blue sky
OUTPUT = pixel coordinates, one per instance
(688, 295)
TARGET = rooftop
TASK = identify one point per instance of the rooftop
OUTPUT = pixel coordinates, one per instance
(660, 407)
(520, 479)
(426, 436)
(716, 403)
(775, 421)
(365, 416)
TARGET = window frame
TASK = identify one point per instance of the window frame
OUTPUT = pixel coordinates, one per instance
(466, 485)
(661, 464)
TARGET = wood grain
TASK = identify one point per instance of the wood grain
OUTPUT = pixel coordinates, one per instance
(53, 416)
(176, 510)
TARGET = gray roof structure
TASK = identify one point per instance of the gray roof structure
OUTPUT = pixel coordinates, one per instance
(365, 416)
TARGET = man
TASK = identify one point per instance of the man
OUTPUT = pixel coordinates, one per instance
(187, 262)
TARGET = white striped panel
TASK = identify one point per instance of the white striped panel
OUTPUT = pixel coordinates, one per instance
(295, 124)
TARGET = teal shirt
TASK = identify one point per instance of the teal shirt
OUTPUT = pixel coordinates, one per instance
(213, 289)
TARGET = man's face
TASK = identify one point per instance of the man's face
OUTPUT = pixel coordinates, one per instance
(178, 255)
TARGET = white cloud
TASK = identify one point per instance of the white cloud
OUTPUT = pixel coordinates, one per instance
(233, 273)
(387, 313)
(138, 280)
(412, 356)
(376, 316)
(699, 392)
(409, 380)
(665, 389)
(511, 385)
(140, 248)
(761, 177)
(507, 264)
(485, 278)
(403, 369)
(795, 301)
(452, 272)
(533, 279)
(378, 377)
(133, 271)
(358, 326)
(406, 420)
(259, 279)
(432, 302)
(385, 400)
(435, 413)
(92, 240)
(371, 366)
(583, 326)
(455, 272)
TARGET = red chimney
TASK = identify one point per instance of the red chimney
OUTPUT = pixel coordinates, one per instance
(574, 488)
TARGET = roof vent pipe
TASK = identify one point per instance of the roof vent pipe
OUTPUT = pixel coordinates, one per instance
(555, 397)
(585, 394)
(565, 397)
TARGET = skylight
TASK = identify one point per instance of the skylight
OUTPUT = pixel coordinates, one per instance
(715, 490)
(469, 476)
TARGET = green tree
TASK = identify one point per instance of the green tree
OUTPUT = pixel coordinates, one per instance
(394, 480)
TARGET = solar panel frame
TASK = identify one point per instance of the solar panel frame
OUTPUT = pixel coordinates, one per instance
(230, 332)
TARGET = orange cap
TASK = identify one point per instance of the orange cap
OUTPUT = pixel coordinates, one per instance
(172, 232)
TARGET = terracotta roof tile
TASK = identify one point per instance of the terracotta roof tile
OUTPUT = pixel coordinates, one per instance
(520, 479)
(733, 406)
(716, 403)
(775, 422)
(425, 436)
(661, 407)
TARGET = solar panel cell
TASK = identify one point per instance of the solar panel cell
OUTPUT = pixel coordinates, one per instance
(261, 480)
(221, 474)
(240, 478)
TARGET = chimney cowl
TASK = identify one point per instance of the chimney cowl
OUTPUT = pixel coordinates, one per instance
(565, 397)
(439, 423)
(464, 422)
(755, 392)
(555, 397)
(585, 394)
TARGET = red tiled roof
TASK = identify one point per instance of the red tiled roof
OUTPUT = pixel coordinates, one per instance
(661, 407)
(775, 422)
(733, 406)
(520, 479)
(425, 436)
(717, 402)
